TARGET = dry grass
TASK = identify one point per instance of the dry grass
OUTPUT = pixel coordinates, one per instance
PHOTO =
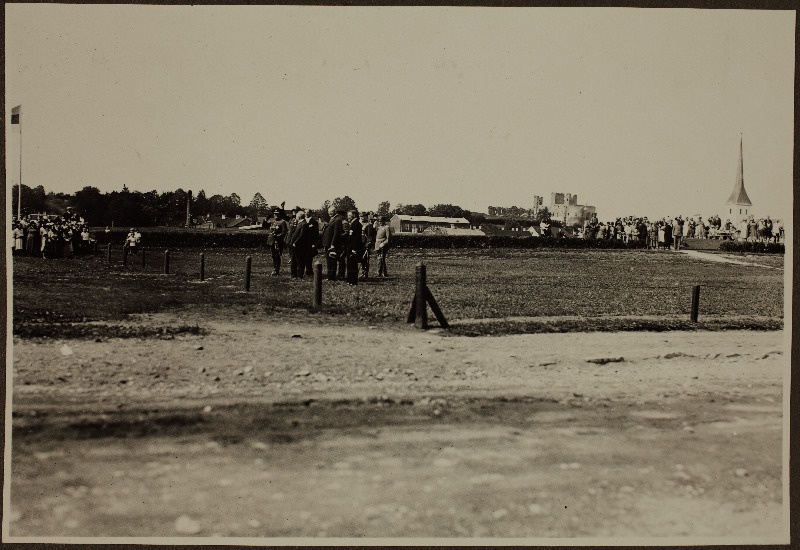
(468, 284)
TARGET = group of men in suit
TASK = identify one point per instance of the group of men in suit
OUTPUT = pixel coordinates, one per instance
(345, 241)
(345, 245)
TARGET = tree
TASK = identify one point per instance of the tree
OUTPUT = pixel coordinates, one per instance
(324, 211)
(543, 215)
(383, 208)
(217, 204)
(448, 211)
(201, 205)
(476, 218)
(55, 203)
(344, 204)
(258, 207)
(90, 204)
(411, 209)
(33, 200)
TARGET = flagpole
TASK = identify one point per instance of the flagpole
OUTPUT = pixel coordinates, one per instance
(19, 198)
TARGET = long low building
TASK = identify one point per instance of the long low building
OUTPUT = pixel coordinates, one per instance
(402, 223)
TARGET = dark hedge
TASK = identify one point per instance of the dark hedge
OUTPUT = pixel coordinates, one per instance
(185, 238)
(747, 246)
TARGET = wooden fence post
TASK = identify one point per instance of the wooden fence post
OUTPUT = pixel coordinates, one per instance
(418, 314)
(421, 317)
(109, 253)
(248, 264)
(202, 266)
(144, 259)
(166, 262)
(695, 302)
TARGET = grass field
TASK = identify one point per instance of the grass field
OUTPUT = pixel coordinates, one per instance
(52, 296)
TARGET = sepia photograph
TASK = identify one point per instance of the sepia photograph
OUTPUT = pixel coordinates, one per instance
(373, 275)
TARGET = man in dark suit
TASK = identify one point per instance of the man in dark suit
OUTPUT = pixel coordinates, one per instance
(298, 246)
(312, 239)
(332, 241)
(368, 238)
(355, 247)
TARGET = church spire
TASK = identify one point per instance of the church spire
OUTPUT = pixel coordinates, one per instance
(739, 195)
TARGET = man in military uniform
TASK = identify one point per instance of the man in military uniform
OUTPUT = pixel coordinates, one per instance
(276, 239)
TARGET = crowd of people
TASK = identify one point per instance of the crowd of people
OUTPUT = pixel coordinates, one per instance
(668, 233)
(50, 236)
(348, 241)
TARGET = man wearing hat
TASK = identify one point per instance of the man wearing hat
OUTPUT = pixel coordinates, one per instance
(368, 239)
(275, 240)
(355, 249)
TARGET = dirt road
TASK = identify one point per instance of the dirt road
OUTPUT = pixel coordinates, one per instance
(303, 429)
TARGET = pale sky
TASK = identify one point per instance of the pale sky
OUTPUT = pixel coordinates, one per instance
(638, 111)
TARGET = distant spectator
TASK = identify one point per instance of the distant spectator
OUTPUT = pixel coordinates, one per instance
(677, 232)
(382, 243)
(131, 245)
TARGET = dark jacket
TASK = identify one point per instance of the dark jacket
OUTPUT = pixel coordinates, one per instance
(299, 237)
(368, 236)
(277, 233)
(354, 242)
(312, 232)
(332, 236)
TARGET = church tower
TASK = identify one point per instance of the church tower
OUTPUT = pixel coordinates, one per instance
(738, 203)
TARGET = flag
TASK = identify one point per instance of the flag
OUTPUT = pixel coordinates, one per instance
(15, 114)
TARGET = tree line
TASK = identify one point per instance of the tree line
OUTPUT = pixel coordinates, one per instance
(135, 208)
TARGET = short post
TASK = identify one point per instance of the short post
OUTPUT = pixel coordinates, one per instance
(202, 266)
(247, 268)
(695, 302)
(109, 253)
(421, 320)
(95, 248)
(124, 256)
(166, 262)
(143, 259)
(316, 303)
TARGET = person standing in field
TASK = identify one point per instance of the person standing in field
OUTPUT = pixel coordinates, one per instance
(298, 246)
(18, 234)
(276, 240)
(700, 231)
(354, 247)
(312, 241)
(33, 242)
(382, 240)
(677, 232)
(368, 239)
(332, 239)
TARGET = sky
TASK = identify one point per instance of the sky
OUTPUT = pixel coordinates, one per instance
(637, 111)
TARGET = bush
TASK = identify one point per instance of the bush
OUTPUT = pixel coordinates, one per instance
(752, 247)
(418, 240)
